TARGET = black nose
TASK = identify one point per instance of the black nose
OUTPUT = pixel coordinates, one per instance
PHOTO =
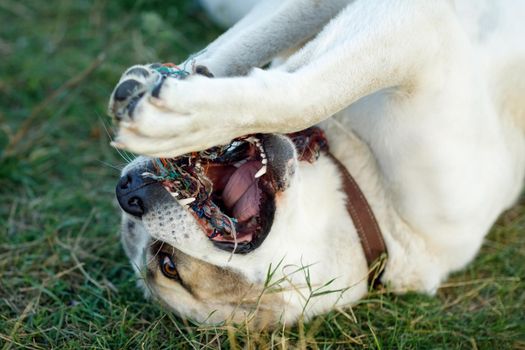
(133, 192)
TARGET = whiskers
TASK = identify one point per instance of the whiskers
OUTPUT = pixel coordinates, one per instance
(117, 167)
(128, 157)
(154, 256)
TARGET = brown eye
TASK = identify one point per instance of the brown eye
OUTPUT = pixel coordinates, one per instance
(167, 266)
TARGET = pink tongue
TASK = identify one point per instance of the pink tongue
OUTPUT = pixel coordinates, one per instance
(241, 194)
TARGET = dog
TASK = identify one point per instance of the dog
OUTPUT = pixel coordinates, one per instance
(420, 101)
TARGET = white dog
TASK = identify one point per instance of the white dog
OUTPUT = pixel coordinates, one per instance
(422, 101)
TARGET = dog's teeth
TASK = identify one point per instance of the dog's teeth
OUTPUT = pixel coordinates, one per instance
(264, 161)
(261, 149)
(261, 172)
(258, 144)
(186, 201)
(173, 194)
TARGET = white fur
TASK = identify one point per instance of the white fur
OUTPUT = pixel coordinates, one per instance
(428, 115)
(227, 12)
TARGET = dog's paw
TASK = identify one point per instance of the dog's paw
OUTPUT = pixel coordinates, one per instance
(159, 114)
(139, 80)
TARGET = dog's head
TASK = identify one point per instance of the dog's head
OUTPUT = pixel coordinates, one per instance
(214, 258)
(179, 250)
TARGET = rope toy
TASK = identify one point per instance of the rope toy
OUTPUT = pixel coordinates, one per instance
(172, 70)
(185, 178)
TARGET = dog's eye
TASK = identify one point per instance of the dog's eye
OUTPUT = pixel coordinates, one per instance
(167, 266)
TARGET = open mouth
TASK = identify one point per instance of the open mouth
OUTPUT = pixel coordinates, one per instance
(230, 190)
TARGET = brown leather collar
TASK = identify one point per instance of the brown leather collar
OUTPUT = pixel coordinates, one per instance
(365, 224)
(309, 144)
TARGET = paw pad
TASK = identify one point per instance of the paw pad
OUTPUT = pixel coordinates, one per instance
(126, 89)
(138, 71)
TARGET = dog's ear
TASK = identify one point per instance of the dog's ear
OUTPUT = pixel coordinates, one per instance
(203, 70)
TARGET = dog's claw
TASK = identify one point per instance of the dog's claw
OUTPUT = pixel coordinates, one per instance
(117, 144)
(129, 126)
(157, 102)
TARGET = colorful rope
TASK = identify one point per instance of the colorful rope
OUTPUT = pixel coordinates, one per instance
(172, 70)
(185, 178)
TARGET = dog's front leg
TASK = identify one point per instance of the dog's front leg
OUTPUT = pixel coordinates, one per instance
(372, 45)
(272, 27)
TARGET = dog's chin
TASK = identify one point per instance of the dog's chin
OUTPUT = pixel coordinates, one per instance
(246, 183)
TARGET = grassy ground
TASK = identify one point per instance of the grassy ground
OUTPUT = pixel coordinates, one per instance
(64, 280)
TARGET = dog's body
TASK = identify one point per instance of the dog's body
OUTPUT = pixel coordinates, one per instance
(427, 113)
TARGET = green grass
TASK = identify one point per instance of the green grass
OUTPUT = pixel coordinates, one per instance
(64, 280)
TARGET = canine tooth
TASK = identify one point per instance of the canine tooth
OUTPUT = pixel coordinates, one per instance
(261, 172)
(186, 201)
(260, 147)
(264, 161)
(157, 102)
